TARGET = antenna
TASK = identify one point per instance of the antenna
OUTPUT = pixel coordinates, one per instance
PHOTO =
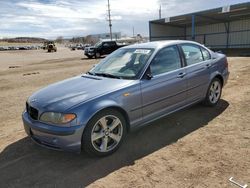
(109, 20)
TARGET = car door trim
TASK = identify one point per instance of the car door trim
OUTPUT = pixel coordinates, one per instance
(162, 99)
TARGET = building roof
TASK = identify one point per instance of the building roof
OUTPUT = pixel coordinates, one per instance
(217, 15)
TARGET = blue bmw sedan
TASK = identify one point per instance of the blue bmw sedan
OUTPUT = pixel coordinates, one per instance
(132, 87)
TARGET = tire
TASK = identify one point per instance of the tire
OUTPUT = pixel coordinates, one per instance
(49, 51)
(100, 138)
(97, 55)
(213, 93)
(89, 56)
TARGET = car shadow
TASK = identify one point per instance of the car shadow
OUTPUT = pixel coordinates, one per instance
(25, 164)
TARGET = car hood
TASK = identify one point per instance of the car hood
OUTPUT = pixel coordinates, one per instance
(65, 94)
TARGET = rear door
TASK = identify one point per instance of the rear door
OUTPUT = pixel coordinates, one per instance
(166, 90)
(198, 62)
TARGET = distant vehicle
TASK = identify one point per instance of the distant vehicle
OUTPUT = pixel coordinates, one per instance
(19, 48)
(23, 48)
(79, 47)
(85, 45)
(45, 45)
(130, 88)
(101, 48)
(73, 48)
(51, 47)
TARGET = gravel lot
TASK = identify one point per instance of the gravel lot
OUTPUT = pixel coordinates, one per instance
(196, 147)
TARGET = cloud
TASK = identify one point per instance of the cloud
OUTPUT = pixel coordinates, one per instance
(59, 10)
(52, 18)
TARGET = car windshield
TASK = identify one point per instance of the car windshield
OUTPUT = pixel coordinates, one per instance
(126, 63)
(98, 44)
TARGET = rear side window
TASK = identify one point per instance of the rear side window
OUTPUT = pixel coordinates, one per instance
(168, 59)
(192, 53)
(109, 44)
(206, 54)
(106, 44)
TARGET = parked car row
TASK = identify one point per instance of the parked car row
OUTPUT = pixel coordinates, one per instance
(78, 46)
(33, 47)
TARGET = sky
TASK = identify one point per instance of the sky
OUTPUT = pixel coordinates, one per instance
(69, 18)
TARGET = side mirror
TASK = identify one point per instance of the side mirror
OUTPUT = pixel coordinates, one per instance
(149, 76)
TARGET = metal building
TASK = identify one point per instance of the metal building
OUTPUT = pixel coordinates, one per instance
(225, 28)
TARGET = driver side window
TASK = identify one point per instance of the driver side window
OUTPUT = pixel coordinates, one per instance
(168, 59)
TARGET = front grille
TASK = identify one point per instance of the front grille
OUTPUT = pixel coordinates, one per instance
(32, 112)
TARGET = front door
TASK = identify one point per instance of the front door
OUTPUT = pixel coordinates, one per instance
(166, 90)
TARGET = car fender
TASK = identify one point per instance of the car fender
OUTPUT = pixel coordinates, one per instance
(91, 108)
(217, 71)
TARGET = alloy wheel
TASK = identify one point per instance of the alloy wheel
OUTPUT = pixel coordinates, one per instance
(214, 92)
(106, 133)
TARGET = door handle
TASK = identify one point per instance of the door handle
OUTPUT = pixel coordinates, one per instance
(181, 75)
(208, 65)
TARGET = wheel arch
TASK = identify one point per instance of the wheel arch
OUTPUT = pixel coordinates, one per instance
(117, 108)
(113, 107)
(123, 112)
(218, 75)
(220, 78)
(100, 106)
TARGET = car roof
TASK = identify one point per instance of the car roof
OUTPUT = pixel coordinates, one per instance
(160, 44)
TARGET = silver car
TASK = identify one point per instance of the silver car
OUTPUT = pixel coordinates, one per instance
(132, 87)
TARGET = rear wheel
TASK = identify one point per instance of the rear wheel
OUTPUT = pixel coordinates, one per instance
(213, 93)
(104, 133)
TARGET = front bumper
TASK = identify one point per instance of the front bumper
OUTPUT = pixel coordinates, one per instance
(53, 137)
(89, 54)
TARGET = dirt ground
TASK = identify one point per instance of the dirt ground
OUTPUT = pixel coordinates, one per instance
(196, 147)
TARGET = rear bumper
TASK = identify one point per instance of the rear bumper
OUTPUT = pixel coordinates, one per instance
(57, 138)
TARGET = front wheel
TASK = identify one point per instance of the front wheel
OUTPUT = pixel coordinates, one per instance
(97, 55)
(213, 93)
(104, 133)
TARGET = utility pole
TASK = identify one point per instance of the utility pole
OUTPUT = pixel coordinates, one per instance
(133, 31)
(160, 12)
(109, 20)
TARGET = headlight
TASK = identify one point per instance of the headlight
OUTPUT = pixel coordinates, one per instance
(57, 118)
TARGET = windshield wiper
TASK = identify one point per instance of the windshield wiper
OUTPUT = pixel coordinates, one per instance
(90, 73)
(108, 75)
